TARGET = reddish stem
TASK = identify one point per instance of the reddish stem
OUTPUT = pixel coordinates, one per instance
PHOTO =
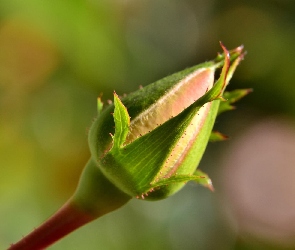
(67, 219)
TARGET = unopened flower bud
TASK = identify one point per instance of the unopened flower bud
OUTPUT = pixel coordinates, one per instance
(146, 145)
(153, 142)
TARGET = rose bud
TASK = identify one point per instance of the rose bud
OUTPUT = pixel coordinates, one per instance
(146, 145)
(159, 133)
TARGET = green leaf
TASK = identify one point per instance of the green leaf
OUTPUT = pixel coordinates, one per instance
(122, 121)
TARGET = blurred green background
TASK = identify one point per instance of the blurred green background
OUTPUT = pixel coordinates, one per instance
(57, 56)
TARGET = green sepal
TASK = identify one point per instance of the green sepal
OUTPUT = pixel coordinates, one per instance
(99, 105)
(232, 97)
(176, 179)
(205, 180)
(217, 90)
(199, 177)
(122, 122)
(217, 136)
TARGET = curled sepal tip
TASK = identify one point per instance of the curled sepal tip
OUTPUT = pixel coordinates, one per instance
(99, 105)
(205, 180)
(217, 136)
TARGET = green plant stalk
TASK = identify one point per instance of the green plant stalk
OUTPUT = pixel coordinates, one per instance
(101, 196)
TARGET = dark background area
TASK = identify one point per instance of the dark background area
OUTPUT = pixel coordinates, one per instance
(57, 56)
